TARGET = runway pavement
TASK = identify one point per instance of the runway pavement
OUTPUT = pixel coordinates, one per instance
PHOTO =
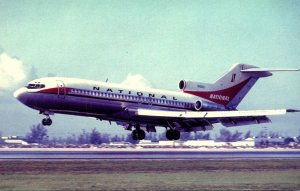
(133, 153)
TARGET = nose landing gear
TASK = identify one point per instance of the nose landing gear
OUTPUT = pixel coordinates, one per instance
(47, 121)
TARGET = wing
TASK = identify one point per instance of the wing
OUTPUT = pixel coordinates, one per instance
(209, 114)
(203, 120)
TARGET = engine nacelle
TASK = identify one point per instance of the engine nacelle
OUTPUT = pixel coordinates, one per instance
(187, 85)
(202, 105)
(198, 105)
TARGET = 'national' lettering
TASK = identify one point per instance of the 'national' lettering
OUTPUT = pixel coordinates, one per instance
(219, 97)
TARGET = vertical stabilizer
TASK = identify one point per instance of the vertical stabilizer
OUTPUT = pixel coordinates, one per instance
(230, 89)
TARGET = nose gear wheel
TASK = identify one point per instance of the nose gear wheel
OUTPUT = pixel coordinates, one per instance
(47, 121)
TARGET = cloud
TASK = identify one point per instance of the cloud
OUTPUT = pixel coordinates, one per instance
(137, 81)
(13, 72)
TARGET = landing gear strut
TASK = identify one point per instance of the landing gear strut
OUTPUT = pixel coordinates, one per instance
(138, 133)
(173, 134)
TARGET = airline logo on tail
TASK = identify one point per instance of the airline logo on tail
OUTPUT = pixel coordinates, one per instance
(219, 97)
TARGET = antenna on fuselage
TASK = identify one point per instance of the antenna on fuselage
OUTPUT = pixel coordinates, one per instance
(106, 80)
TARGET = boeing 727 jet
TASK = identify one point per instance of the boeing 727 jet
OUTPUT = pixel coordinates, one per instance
(195, 108)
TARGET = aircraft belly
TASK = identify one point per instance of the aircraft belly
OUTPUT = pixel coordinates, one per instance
(71, 104)
(44, 101)
(90, 105)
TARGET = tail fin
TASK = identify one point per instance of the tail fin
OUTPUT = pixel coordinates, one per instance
(230, 89)
(236, 84)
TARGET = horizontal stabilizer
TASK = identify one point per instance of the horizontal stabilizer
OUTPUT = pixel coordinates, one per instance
(268, 70)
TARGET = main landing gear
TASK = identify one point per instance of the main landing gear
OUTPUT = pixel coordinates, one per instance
(138, 133)
(172, 134)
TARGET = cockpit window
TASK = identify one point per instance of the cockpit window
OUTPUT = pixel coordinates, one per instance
(35, 86)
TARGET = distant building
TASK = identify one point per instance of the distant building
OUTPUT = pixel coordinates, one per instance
(150, 144)
(199, 143)
(275, 141)
(16, 140)
(196, 143)
(211, 143)
(249, 142)
(119, 144)
(169, 143)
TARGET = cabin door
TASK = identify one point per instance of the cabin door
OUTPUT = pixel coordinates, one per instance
(61, 89)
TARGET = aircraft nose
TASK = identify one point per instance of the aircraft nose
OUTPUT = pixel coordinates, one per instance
(20, 94)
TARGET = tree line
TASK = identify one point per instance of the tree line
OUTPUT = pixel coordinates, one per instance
(39, 134)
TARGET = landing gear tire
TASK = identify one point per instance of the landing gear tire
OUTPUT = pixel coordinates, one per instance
(169, 135)
(47, 121)
(138, 135)
(173, 134)
(134, 135)
(176, 135)
(141, 134)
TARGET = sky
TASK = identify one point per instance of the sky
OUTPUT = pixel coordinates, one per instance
(157, 43)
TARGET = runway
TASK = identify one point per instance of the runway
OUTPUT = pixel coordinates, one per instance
(130, 153)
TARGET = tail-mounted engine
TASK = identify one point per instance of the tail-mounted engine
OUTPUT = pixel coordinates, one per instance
(202, 105)
(198, 105)
(187, 85)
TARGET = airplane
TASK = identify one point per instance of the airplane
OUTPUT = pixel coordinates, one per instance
(197, 107)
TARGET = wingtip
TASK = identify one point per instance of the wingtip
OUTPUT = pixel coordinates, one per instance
(292, 110)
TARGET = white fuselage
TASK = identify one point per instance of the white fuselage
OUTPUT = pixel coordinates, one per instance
(107, 101)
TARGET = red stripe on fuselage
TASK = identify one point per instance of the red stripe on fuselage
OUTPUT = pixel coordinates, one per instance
(49, 90)
(220, 96)
(55, 90)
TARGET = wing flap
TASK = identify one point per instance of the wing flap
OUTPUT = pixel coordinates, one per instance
(239, 121)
